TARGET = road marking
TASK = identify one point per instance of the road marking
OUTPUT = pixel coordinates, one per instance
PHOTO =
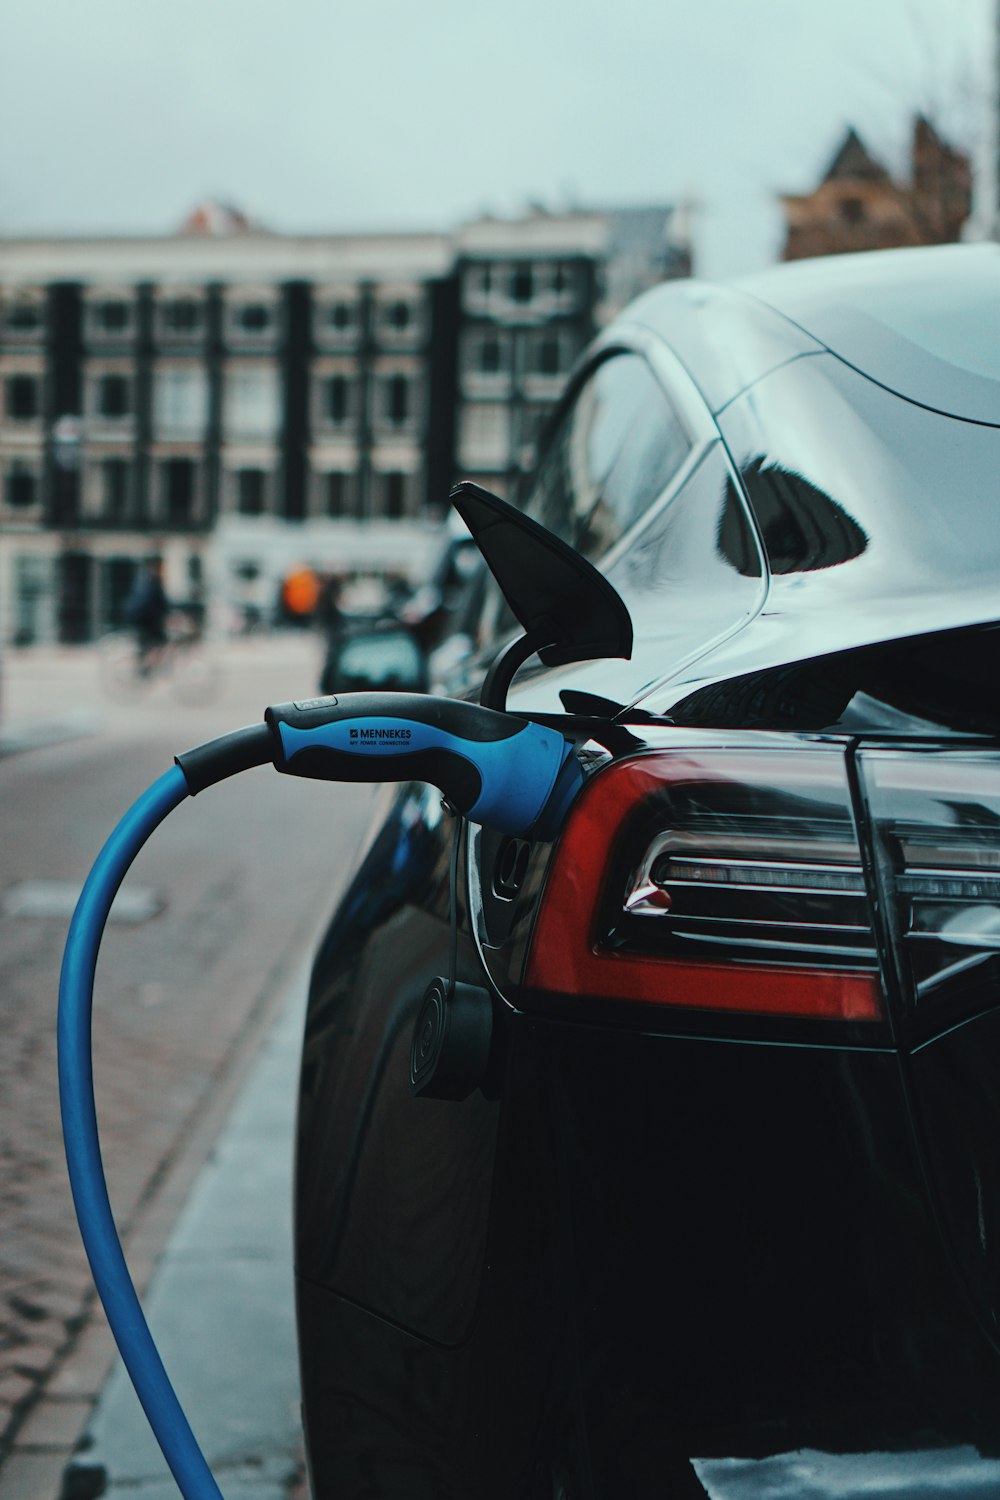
(58, 898)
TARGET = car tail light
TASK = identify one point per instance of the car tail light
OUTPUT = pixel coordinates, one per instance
(719, 879)
(936, 822)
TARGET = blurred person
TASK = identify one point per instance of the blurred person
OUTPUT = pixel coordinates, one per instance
(146, 610)
(329, 615)
(333, 622)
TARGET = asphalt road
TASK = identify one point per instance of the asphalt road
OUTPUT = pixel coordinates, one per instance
(226, 901)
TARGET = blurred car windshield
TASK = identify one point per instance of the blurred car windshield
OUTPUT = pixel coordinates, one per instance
(381, 659)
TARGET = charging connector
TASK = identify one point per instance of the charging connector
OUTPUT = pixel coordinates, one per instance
(495, 768)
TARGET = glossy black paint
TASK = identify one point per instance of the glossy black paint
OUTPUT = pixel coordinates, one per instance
(694, 1247)
(676, 1253)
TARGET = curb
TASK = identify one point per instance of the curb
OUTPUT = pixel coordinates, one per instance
(15, 738)
(48, 1457)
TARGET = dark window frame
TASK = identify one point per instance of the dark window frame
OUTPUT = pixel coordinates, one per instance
(179, 500)
(18, 473)
(117, 407)
(18, 406)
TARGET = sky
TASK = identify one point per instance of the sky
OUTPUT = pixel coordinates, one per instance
(331, 115)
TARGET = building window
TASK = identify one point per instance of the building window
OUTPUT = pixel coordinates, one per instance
(398, 401)
(395, 404)
(395, 494)
(338, 400)
(337, 490)
(34, 591)
(21, 487)
(111, 318)
(181, 318)
(252, 401)
(484, 435)
(23, 397)
(24, 319)
(550, 354)
(392, 494)
(399, 316)
(486, 360)
(522, 284)
(492, 355)
(179, 480)
(478, 285)
(114, 396)
(251, 492)
(252, 320)
(115, 478)
(337, 322)
(180, 403)
(253, 317)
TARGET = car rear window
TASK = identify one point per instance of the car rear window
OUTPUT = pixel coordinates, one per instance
(612, 455)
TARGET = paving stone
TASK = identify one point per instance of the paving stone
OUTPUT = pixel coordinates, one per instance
(54, 1425)
(85, 1373)
(34, 1359)
(176, 995)
(14, 1387)
(32, 1476)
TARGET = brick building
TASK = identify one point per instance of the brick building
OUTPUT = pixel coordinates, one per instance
(859, 206)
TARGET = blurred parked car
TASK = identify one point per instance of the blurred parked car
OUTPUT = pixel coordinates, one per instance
(379, 655)
(394, 649)
(720, 1212)
(437, 608)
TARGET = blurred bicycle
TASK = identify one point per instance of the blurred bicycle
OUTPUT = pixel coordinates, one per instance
(130, 666)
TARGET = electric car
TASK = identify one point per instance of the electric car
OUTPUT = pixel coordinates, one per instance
(657, 1154)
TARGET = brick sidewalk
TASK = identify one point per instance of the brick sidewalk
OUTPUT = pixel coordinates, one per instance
(181, 1002)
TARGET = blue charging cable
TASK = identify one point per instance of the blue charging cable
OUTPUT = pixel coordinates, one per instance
(505, 772)
(83, 1150)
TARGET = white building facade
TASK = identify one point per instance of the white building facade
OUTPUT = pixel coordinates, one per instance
(243, 403)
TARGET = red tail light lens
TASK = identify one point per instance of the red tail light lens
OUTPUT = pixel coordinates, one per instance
(936, 821)
(713, 880)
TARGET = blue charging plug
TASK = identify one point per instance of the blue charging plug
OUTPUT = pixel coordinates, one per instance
(497, 769)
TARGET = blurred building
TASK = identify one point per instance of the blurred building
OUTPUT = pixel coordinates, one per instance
(859, 206)
(242, 403)
(531, 294)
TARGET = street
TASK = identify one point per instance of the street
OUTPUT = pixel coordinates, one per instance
(216, 921)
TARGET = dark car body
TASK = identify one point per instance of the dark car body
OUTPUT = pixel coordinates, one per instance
(722, 1216)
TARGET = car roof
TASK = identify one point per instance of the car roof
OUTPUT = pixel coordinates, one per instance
(726, 339)
(924, 323)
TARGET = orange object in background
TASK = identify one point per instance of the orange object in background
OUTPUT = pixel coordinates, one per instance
(300, 592)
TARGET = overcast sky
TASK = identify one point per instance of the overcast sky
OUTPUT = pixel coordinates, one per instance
(119, 115)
